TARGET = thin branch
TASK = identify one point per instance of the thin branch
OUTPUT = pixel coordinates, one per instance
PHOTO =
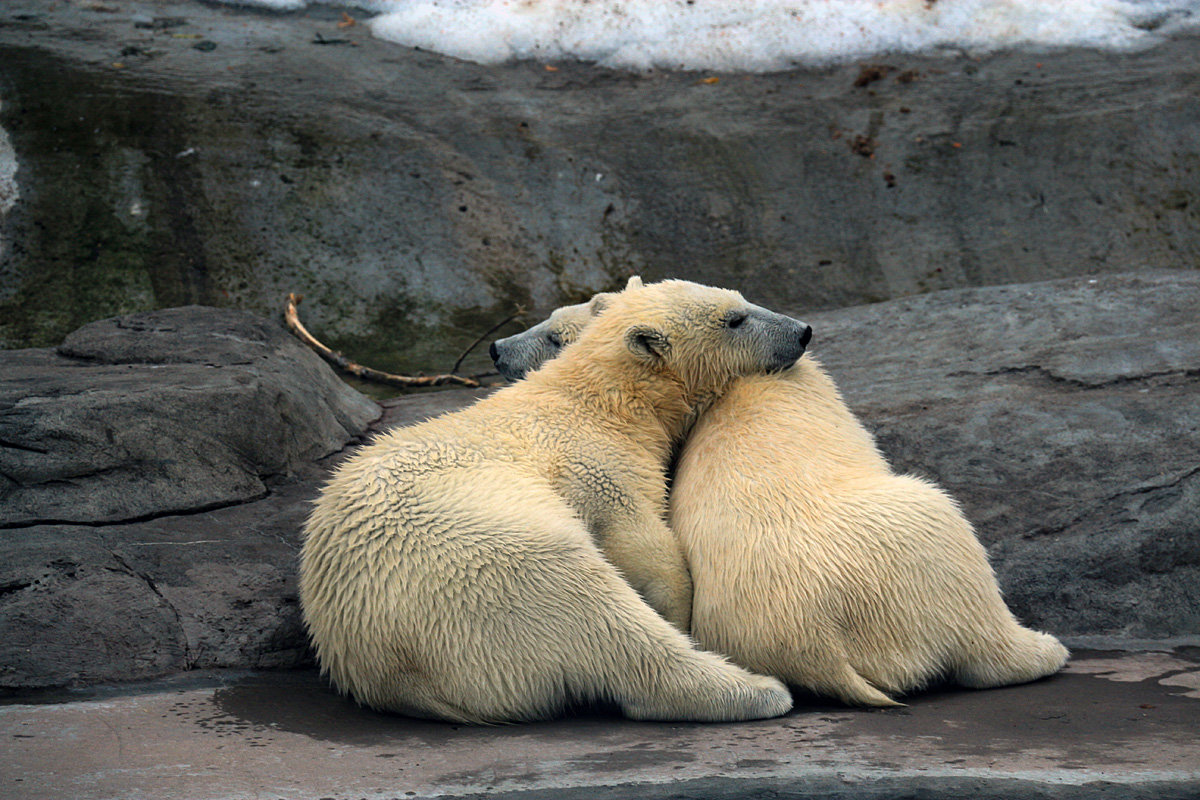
(520, 312)
(292, 318)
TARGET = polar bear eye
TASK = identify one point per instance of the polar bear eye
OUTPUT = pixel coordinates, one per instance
(554, 339)
(735, 320)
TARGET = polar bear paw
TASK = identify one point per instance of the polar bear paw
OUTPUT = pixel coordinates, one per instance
(746, 697)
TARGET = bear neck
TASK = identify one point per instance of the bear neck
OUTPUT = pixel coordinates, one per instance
(651, 402)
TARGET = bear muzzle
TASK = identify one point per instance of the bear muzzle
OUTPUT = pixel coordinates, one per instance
(499, 352)
(794, 337)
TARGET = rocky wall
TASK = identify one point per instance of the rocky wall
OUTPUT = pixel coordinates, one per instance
(182, 152)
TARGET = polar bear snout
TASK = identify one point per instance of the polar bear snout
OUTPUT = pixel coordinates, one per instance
(517, 355)
(499, 356)
(791, 338)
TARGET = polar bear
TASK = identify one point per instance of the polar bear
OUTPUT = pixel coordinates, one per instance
(813, 562)
(532, 347)
(490, 565)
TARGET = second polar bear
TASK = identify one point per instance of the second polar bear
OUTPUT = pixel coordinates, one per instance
(813, 561)
(515, 355)
(463, 568)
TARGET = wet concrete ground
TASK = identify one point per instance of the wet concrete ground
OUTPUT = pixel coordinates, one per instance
(1115, 724)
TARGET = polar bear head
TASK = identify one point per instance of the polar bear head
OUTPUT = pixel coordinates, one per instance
(698, 337)
(516, 355)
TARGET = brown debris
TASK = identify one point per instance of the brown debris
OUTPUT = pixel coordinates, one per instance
(292, 318)
(863, 146)
(871, 73)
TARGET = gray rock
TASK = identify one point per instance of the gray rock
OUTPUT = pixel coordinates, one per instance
(162, 412)
(142, 417)
(416, 199)
(178, 411)
(87, 604)
(1114, 726)
(1065, 417)
(198, 589)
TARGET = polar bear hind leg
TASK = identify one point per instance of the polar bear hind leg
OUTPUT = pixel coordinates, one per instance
(503, 611)
(592, 635)
(632, 656)
(1016, 655)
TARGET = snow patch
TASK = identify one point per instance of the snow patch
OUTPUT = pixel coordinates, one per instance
(758, 35)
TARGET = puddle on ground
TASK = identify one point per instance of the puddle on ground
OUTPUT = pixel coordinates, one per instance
(1166, 667)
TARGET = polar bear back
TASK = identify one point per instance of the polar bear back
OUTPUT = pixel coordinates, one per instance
(813, 561)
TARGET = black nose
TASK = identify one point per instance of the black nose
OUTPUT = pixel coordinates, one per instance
(806, 336)
(493, 352)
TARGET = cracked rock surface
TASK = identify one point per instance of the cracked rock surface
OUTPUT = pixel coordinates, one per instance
(1064, 416)
(116, 451)
(163, 412)
(1117, 725)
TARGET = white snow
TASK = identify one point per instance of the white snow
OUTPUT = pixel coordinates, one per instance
(759, 35)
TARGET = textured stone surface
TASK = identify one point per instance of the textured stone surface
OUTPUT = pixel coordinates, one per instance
(166, 411)
(415, 200)
(1065, 416)
(81, 604)
(176, 418)
(1115, 725)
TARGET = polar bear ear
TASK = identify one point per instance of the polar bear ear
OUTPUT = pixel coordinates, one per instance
(600, 302)
(635, 282)
(647, 343)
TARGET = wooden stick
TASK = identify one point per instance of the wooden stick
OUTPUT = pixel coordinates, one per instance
(292, 318)
(520, 312)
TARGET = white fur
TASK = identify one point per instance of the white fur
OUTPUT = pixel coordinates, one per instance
(814, 562)
(463, 568)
